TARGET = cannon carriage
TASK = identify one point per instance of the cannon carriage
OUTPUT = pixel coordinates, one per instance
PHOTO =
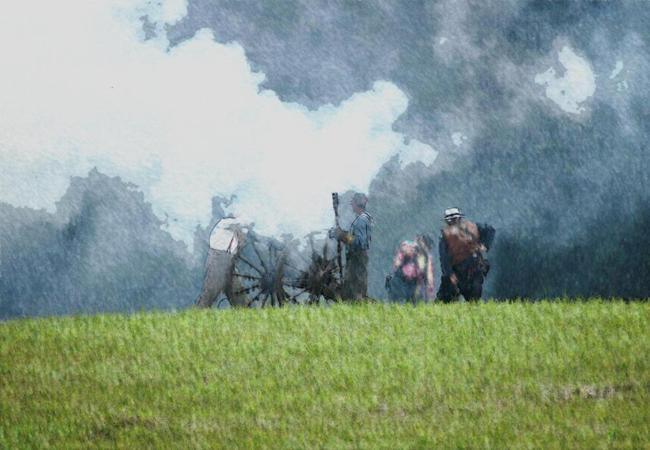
(270, 273)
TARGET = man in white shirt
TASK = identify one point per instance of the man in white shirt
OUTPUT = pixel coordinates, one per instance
(226, 240)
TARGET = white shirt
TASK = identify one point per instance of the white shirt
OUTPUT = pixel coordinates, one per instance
(222, 237)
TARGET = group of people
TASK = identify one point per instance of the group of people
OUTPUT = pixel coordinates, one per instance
(462, 248)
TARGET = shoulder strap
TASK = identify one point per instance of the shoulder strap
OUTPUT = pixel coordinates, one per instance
(232, 239)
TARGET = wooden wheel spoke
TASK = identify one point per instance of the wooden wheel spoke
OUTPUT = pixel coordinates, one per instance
(247, 277)
(246, 290)
(259, 255)
(255, 298)
(250, 264)
(292, 285)
(313, 249)
(291, 266)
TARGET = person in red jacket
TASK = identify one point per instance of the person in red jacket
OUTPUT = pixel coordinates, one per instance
(463, 247)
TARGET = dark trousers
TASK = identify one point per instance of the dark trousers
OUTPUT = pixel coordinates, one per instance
(471, 274)
(355, 280)
(400, 289)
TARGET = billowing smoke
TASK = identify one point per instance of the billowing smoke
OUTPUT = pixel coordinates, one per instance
(81, 87)
(536, 113)
(539, 110)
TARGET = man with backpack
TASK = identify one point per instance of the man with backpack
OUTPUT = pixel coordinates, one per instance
(463, 247)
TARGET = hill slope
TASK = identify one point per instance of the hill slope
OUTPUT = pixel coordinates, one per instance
(367, 376)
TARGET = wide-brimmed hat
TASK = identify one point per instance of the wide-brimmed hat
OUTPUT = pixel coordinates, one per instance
(452, 213)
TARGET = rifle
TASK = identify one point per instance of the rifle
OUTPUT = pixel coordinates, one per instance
(335, 205)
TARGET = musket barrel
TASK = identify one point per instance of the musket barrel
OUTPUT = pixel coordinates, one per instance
(339, 258)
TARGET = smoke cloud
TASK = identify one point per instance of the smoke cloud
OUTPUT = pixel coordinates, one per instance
(539, 111)
(81, 87)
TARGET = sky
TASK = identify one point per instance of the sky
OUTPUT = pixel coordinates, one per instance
(279, 104)
(530, 115)
(83, 87)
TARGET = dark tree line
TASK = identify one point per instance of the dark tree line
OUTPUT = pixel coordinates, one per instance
(102, 250)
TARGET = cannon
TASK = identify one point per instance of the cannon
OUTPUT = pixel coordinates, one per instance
(273, 274)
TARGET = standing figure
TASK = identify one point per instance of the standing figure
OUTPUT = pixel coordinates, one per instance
(463, 247)
(412, 276)
(357, 242)
(226, 240)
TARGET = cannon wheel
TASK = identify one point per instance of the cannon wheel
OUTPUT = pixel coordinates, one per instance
(320, 278)
(267, 277)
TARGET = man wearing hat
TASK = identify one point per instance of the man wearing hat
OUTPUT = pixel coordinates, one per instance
(226, 240)
(357, 242)
(463, 246)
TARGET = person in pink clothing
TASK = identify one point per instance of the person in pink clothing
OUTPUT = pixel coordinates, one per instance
(412, 272)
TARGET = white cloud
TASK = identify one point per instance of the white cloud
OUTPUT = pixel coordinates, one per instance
(458, 138)
(80, 88)
(570, 91)
(617, 70)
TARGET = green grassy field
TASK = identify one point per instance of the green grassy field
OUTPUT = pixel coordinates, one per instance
(547, 375)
